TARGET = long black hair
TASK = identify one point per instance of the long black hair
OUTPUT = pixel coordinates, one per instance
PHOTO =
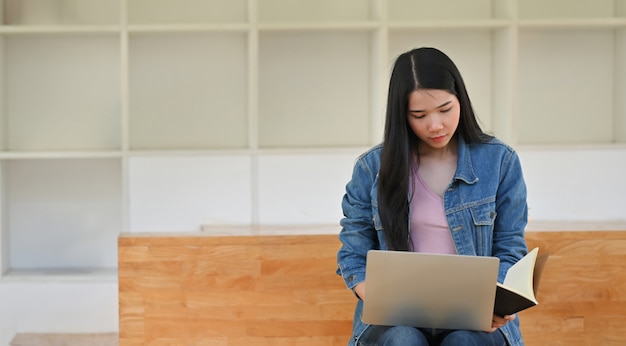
(421, 68)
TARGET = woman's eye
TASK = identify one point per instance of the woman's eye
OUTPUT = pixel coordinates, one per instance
(446, 110)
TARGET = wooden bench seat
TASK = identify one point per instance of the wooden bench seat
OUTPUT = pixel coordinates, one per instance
(281, 290)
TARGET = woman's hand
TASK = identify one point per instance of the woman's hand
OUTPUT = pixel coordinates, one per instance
(360, 290)
(498, 321)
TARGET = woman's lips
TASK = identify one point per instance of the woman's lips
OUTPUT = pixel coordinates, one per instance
(438, 139)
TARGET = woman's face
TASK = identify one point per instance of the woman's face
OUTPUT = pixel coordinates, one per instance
(433, 115)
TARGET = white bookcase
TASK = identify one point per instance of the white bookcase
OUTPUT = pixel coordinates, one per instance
(109, 109)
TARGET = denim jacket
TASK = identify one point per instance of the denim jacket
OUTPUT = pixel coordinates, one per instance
(485, 206)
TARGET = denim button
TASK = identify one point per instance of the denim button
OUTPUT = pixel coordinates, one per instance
(351, 278)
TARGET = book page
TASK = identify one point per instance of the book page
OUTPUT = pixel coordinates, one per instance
(519, 278)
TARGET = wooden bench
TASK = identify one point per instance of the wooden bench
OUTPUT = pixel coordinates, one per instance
(281, 290)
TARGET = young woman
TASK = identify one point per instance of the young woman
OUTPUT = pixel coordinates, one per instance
(436, 184)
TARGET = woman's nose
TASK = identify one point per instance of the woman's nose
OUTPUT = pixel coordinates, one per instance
(435, 125)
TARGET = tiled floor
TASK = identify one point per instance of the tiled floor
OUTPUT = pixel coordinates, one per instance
(26, 339)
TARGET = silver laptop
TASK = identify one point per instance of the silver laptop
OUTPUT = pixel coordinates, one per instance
(430, 290)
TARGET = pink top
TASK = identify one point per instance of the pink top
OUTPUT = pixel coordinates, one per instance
(428, 224)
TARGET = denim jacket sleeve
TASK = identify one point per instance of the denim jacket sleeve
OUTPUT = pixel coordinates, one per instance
(359, 232)
(509, 244)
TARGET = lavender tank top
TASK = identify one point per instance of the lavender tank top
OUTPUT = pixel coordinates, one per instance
(429, 228)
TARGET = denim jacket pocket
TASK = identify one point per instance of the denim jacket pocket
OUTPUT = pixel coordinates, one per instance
(483, 217)
(484, 214)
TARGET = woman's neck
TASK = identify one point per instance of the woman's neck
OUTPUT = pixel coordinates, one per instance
(437, 166)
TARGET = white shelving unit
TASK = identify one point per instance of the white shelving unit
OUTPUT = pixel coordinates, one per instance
(113, 111)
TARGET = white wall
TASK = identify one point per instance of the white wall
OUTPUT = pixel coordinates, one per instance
(576, 184)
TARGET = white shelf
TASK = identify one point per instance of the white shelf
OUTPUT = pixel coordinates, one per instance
(295, 27)
(451, 25)
(58, 29)
(63, 212)
(62, 92)
(428, 10)
(294, 109)
(575, 24)
(61, 12)
(178, 100)
(556, 112)
(188, 28)
(161, 114)
(304, 11)
(20, 155)
(554, 9)
(186, 11)
(87, 275)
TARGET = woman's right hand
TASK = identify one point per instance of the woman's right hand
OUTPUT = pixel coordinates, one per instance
(359, 289)
(498, 322)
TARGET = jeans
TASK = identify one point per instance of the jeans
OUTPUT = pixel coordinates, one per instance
(410, 336)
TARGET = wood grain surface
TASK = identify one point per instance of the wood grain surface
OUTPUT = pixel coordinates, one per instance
(582, 294)
(232, 290)
(282, 290)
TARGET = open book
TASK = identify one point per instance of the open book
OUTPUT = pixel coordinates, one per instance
(519, 290)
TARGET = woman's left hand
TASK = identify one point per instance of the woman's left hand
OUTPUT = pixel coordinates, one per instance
(499, 321)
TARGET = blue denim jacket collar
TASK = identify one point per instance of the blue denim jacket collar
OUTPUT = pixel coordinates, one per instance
(465, 170)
